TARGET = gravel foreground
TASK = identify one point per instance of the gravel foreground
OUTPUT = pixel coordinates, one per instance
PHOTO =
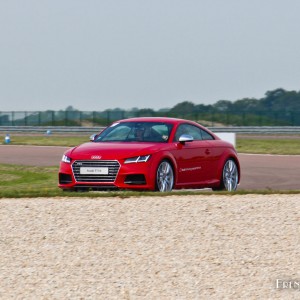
(177, 247)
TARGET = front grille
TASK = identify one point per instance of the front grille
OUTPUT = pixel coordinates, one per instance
(112, 165)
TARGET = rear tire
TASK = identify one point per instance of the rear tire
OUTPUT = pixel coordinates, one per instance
(230, 177)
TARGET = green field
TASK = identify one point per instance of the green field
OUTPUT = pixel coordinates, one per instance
(269, 145)
(26, 181)
(52, 140)
(31, 182)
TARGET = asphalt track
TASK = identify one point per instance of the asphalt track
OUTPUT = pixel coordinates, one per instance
(259, 172)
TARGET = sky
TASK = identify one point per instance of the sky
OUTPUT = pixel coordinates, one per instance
(104, 54)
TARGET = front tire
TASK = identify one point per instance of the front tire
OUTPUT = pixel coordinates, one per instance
(230, 176)
(164, 177)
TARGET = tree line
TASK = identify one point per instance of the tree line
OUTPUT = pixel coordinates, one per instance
(277, 108)
(278, 100)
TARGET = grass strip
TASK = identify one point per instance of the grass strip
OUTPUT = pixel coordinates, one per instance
(32, 182)
(269, 146)
(44, 140)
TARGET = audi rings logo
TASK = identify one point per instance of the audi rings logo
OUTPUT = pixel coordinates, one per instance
(95, 157)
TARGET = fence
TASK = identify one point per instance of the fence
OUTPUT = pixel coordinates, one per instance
(289, 130)
(212, 118)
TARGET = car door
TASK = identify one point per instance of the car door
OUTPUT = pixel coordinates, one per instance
(214, 153)
(191, 157)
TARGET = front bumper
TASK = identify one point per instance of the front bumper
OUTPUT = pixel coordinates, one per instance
(128, 176)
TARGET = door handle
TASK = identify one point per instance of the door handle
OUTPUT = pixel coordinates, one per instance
(207, 151)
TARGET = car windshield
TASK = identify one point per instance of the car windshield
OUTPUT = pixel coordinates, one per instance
(156, 132)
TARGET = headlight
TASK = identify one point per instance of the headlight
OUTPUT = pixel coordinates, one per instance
(137, 159)
(66, 159)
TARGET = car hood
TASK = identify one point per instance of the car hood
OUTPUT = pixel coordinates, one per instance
(113, 150)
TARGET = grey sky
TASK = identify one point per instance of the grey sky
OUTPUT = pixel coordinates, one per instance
(96, 54)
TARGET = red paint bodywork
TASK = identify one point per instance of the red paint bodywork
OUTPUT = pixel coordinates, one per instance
(196, 164)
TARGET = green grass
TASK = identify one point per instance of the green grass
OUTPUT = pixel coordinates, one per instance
(52, 140)
(31, 182)
(16, 181)
(269, 146)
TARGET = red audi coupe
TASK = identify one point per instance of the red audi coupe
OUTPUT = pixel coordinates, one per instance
(151, 154)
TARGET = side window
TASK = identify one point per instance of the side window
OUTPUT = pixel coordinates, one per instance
(179, 131)
(206, 135)
(192, 130)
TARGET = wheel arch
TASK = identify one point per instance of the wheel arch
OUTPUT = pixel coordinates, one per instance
(227, 156)
(167, 157)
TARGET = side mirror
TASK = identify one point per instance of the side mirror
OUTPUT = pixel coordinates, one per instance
(185, 138)
(93, 137)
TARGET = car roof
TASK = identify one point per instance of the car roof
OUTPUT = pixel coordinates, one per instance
(157, 119)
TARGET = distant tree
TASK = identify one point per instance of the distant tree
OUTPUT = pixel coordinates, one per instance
(116, 109)
(203, 108)
(147, 111)
(223, 105)
(246, 104)
(272, 97)
(284, 100)
(292, 98)
(183, 108)
(71, 108)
